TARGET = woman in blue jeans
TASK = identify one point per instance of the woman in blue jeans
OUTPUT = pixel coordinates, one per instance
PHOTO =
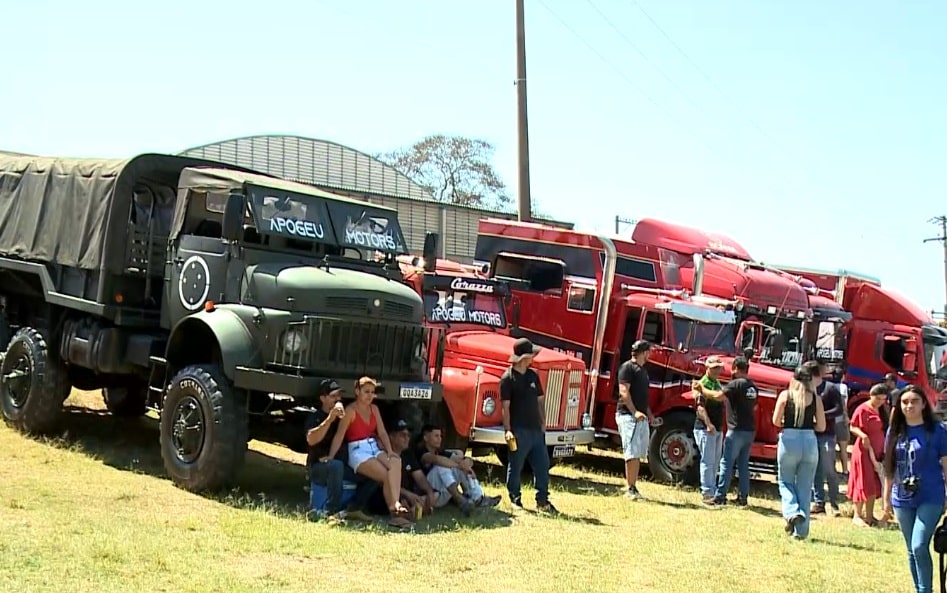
(800, 414)
(915, 466)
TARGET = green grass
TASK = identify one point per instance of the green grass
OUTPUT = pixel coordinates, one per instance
(93, 511)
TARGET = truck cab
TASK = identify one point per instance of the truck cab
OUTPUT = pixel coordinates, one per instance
(218, 296)
(470, 309)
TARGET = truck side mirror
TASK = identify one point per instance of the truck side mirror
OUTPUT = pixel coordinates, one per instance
(779, 344)
(232, 226)
(909, 362)
(430, 252)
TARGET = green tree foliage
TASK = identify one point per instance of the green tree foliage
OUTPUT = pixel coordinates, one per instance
(455, 169)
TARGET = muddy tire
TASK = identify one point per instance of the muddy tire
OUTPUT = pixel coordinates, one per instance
(126, 402)
(33, 384)
(672, 454)
(204, 428)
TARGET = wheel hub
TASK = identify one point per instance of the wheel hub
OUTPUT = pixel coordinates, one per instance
(187, 429)
(16, 374)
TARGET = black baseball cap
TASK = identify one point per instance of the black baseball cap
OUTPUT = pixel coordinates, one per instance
(401, 426)
(640, 346)
(327, 386)
(523, 347)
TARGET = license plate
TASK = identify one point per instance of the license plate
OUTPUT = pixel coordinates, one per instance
(416, 391)
(563, 451)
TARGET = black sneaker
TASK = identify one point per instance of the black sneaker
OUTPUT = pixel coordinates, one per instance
(546, 507)
(517, 502)
(791, 522)
(720, 501)
(709, 500)
(740, 502)
(817, 509)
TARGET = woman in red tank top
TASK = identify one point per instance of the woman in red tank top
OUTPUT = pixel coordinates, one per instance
(369, 447)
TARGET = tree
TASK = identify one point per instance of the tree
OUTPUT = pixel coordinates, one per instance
(454, 169)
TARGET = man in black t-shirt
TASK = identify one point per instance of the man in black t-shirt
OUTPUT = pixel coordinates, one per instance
(416, 491)
(741, 394)
(633, 413)
(330, 475)
(825, 471)
(524, 425)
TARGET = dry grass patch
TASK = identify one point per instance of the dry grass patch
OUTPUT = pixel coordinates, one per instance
(93, 511)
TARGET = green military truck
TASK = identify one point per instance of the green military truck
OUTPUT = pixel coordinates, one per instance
(218, 296)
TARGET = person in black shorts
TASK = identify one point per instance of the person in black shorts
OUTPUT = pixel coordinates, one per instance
(524, 425)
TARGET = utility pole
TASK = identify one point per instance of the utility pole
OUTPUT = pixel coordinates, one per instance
(522, 136)
(619, 221)
(942, 221)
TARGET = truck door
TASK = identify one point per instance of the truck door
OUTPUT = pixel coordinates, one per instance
(899, 353)
(196, 272)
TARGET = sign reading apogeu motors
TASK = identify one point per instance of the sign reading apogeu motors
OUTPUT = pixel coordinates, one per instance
(366, 226)
(306, 229)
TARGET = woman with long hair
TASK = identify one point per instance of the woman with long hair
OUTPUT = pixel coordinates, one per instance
(864, 481)
(800, 414)
(915, 466)
(363, 430)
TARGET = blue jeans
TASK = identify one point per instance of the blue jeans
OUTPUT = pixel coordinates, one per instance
(530, 446)
(825, 471)
(796, 458)
(736, 457)
(328, 474)
(711, 448)
(917, 527)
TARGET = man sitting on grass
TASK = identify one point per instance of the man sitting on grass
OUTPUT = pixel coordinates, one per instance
(450, 472)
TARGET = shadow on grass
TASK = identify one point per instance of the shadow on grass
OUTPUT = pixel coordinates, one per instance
(265, 483)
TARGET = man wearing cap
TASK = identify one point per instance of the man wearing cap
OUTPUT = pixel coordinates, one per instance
(708, 425)
(632, 415)
(524, 425)
(416, 490)
(330, 474)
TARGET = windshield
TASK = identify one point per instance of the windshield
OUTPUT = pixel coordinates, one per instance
(935, 357)
(457, 306)
(790, 332)
(694, 335)
(288, 215)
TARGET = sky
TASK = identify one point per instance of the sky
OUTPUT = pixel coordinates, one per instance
(814, 133)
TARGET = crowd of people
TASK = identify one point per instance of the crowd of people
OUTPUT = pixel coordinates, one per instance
(357, 467)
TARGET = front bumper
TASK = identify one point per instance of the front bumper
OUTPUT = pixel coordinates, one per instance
(302, 388)
(493, 435)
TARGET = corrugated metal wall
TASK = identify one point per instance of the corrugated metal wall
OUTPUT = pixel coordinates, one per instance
(346, 171)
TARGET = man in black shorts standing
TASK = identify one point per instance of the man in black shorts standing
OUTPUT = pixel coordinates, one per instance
(633, 415)
(524, 425)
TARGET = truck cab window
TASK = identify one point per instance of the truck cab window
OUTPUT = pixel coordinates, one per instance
(653, 328)
(582, 299)
(532, 274)
(892, 352)
(631, 333)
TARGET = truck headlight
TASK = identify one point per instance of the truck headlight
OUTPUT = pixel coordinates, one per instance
(293, 341)
(489, 406)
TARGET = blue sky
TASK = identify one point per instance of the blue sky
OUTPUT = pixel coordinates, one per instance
(813, 132)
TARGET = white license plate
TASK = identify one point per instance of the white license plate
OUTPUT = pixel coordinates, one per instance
(563, 451)
(420, 391)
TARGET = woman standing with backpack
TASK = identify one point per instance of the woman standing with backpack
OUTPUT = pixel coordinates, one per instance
(915, 466)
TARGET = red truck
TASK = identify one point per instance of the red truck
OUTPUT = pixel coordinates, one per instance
(470, 311)
(886, 333)
(593, 296)
(772, 309)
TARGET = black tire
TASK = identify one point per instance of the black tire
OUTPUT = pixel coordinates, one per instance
(204, 429)
(673, 456)
(126, 402)
(33, 384)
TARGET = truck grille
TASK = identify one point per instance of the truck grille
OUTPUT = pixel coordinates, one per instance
(554, 381)
(340, 348)
(573, 399)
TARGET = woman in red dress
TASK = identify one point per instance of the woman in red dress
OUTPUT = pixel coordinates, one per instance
(864, 479)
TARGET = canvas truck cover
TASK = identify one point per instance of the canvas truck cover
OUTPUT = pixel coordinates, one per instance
(330, 218)
(73, 211)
